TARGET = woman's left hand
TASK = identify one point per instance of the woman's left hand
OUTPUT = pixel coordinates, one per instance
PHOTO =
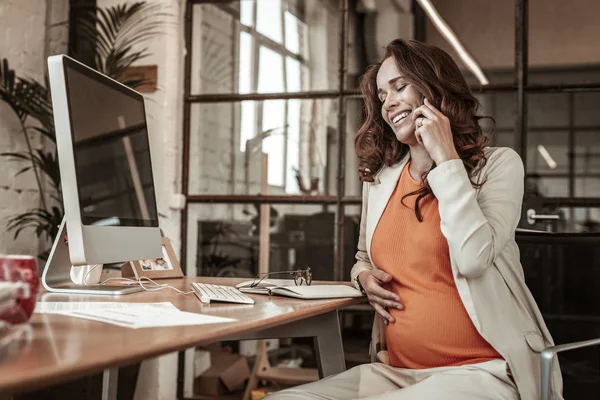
(434, 133)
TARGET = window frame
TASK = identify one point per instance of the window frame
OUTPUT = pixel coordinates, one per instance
(259, 40)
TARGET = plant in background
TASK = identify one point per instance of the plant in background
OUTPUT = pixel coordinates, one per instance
(117, 35)
(30, 101)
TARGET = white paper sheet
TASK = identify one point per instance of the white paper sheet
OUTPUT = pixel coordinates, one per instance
(145, 317)
(55, 307)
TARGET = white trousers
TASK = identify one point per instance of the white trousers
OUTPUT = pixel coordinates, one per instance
(490, 380)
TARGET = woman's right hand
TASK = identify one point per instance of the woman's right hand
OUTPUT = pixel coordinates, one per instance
(381, 299)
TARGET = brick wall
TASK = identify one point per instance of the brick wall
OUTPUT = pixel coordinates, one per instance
(25, 43)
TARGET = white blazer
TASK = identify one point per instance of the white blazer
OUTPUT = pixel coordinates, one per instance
(479, 225)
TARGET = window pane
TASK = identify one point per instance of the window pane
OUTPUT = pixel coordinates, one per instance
(217, 65)
(219, 162)
(503, 109)
(293, 78)
(223, 240)
(211, 156)
(354, 110)
(273, 145)
(586, 109)
(248, 122)
(247, 12)
(587, 187)
(292, 37)
(547, 110)
(504, 138)
(268, 19)
(245, 70)
(293, 147)
(220, 241)
(587, 152)
(583, 219)
(296, 35)
(547, 151)
(549, 187)
(270, 72)
(212, 50)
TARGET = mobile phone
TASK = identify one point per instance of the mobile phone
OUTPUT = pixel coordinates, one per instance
(422, 103)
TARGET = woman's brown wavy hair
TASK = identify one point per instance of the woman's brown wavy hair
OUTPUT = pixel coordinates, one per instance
(433, 73)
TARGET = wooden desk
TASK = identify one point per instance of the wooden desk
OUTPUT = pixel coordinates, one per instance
(64, 348)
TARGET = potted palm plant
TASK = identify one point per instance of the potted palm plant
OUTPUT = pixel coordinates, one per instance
(118, 35)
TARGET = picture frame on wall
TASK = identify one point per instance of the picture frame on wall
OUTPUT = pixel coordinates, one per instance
(158, 268)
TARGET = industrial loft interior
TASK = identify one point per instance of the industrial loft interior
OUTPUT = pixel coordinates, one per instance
(224, 134)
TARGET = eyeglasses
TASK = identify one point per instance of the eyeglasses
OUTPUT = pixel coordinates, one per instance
(300, 276)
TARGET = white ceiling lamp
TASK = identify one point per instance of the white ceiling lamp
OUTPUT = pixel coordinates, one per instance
(546, 156)
(445, 30)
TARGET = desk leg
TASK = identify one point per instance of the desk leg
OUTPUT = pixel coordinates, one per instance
(110, 378)
(324, 328)
(328, 345)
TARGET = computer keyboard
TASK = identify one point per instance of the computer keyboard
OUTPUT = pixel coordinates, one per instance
(207, 292)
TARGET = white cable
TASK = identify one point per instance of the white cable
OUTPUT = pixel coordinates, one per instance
(153, 288)
(160, 286)
(85, 277)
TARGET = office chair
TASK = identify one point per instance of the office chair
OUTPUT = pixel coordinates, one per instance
(556, 240)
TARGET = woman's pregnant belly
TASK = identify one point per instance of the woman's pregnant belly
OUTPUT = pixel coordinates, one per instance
(434, 330)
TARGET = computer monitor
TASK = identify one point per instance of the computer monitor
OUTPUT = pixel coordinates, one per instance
(105, 169)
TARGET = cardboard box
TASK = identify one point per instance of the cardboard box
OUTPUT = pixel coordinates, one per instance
(201, 362)
(227, 373)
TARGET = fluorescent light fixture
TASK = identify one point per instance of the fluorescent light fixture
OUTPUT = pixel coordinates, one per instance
(547, 157)
(445, 30)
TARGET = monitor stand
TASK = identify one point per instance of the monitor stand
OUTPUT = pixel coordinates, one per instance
(56, 277)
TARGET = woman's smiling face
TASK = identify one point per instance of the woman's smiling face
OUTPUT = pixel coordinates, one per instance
(399, 98)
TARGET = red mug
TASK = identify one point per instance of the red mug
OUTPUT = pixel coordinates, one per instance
(24, 269)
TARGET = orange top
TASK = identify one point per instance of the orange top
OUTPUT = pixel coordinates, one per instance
(434, 328)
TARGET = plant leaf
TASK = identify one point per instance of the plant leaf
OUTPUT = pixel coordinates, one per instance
(119, 34)
(119, 29)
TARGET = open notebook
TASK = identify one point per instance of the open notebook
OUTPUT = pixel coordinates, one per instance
(286, 287)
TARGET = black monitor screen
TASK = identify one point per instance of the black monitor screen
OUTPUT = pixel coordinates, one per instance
(112, 150)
